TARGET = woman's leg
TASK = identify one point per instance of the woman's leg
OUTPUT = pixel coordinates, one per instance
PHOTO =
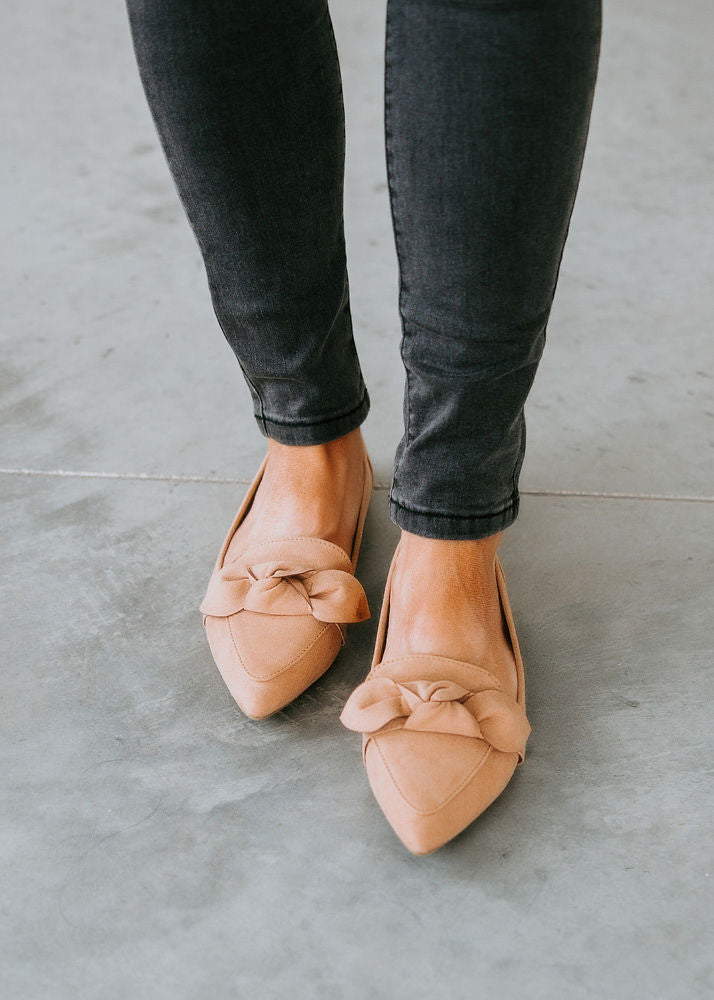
(487, 109)
(246, 97)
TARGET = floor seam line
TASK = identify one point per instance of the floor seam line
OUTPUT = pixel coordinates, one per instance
(219, 481)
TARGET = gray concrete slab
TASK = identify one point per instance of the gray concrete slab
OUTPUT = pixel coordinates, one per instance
(158, 844)
(114, 361)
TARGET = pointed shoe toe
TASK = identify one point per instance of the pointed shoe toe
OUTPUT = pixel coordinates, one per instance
(276, 614)
(441, 738)
(431, 786)
(266, 661)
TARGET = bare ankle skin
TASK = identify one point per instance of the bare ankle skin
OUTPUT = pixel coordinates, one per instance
(310, 490)
(445, 601)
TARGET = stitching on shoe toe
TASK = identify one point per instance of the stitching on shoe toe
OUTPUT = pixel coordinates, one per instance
(459, 788)
(285, 666)
(475, 666)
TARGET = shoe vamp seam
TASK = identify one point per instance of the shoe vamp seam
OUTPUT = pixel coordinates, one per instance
(285, 666)
(332, 546)
(498, 685)
(459, 788)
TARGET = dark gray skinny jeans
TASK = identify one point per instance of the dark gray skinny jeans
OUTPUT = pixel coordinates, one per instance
(487, 111)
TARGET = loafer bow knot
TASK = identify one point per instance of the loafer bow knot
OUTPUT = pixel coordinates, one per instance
(381, 704)
(286, 586)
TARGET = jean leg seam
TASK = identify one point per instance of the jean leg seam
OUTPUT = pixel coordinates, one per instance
(389, 157)
(520, 456)
(461, 517)
(323, 420)
(260, 415)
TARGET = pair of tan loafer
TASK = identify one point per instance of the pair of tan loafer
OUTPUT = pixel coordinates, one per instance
(441, 738)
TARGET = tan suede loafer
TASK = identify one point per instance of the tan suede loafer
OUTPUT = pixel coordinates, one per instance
(276, 615)
(441, 738)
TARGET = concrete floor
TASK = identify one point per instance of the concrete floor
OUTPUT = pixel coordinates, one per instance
(158, 844)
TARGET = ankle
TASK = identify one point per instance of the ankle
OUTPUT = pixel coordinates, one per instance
(339, 452)
(477, 553)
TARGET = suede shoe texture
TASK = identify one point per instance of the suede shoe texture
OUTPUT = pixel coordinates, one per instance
(441, 738)
(276, 615)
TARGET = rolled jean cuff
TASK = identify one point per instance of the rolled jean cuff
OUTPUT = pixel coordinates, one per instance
(318, 431)
(454, 526)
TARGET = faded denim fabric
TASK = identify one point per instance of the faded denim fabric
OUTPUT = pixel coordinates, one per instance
(486, 114)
